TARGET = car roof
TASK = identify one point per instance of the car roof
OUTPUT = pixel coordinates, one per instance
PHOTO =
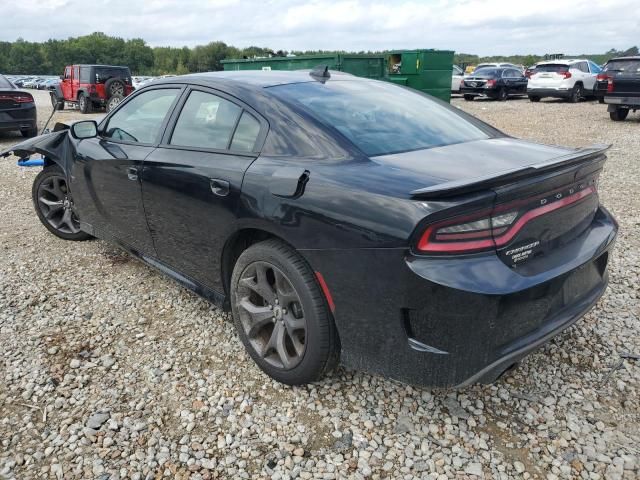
(631, 57)
(254, 78)
(561, 61)
(97, 65)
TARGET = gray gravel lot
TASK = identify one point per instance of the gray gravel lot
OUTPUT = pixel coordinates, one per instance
(110, 370)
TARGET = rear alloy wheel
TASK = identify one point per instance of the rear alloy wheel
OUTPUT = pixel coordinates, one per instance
(281, 315)
(619, 114)
(113, 102)
(534, 98)
(576, 93)
(468, 98)
(54, 204)
(502, 94)
(84, 103)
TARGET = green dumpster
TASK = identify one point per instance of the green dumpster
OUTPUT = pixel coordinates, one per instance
(426, 70)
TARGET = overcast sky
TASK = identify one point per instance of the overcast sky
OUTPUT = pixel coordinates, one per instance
(483, 27)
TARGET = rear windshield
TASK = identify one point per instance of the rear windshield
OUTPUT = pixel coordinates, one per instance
(627, 66)
(487, 72)
(105, 73)
(381, 118)
(4, 83)
(552, 67)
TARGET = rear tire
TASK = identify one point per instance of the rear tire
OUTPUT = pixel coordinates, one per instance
(84, 103)
(534, 99)
(113, 102)
(619, 114)
(576, 93)
(468, 98)
(54, 204)
(271, 280)
(502, 95)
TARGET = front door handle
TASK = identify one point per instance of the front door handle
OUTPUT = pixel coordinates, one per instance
(132, 173)
(219, 187)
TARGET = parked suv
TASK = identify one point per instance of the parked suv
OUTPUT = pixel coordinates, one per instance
(570, 79)
(92, 86)
(619, 86)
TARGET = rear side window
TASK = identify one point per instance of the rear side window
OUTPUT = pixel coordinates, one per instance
(206, 121)
(244, 140)
(140, 119)
(380, 118)
(85, 74)
(626, 66)
(583, 67)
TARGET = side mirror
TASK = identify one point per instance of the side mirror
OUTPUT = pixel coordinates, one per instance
(61, 77)
(84, 129)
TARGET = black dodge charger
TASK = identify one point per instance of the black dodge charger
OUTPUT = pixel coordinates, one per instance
(340, 219)
(17, 109)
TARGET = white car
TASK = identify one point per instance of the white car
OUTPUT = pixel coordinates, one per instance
(570, 79)
(456, 79)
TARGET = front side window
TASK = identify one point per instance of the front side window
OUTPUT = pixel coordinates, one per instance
(206, 121)
(140, 119)
(67, 72)
(380, 118)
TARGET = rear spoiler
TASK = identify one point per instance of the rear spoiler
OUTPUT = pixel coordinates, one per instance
(459, 187)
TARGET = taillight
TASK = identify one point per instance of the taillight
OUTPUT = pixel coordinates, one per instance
(487, 230)
(602, 77)
(17, 97)
(566, 74)
(491, 83)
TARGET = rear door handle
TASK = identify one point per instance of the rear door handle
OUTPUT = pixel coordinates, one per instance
(219, 187)
(132, 173)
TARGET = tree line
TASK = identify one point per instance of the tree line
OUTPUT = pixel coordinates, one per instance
(50, 57)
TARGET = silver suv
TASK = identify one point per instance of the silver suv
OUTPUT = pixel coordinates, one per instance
(570, 79)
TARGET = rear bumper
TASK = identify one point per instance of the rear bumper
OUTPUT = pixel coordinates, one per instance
(560, 92)
(456, 321)
(632, 102)
(21, 118)
(479, 91)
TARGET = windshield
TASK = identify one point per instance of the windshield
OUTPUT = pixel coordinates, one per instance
(381, 118)
(552, 67)
(627, 66)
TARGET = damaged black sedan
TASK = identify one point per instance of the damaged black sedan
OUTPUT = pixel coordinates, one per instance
(340, 219)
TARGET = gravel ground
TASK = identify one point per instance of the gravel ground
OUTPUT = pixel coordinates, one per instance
(110, 370)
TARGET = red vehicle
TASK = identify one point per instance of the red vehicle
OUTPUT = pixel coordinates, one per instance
(92, 86)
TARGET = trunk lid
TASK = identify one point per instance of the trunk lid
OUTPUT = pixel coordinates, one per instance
(543, 198)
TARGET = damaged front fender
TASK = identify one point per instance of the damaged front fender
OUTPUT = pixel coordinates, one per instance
(52, 146)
